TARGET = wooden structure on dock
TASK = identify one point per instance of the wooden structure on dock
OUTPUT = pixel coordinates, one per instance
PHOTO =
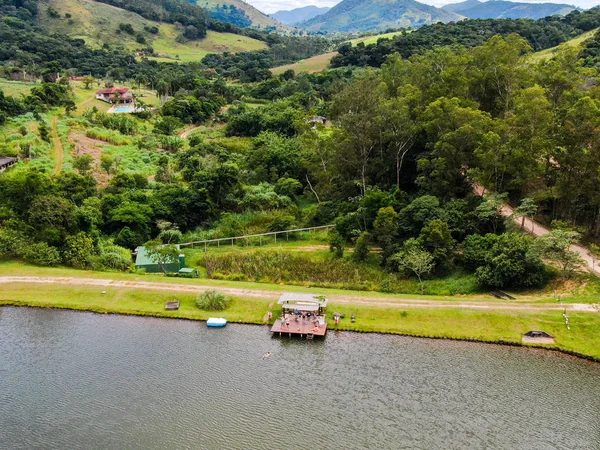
(303, 315)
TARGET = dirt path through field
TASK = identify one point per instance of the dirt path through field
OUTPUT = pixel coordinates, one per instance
(535, 229)
(59, 151)
(391, 302)
(185, 133)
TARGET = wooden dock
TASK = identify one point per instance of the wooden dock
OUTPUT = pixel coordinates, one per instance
(300, 327)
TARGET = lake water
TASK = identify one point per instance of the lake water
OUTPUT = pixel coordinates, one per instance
(73, 380)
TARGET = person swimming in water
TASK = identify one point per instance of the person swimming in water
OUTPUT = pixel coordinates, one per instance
(266, 355)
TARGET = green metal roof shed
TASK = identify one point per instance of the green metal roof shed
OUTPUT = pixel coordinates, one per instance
(143, 261)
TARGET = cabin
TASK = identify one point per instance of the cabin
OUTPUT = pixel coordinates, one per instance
(303, 315)
(7, 162)
(143, 261)
(115, 95)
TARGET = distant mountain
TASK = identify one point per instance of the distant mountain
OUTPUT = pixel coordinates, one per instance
(295, 16)
(376, 15)
(501, 9)
(241, 14)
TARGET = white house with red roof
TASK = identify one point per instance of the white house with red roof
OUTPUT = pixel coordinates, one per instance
(115, 95)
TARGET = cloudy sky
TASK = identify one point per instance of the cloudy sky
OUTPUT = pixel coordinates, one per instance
(271, 6)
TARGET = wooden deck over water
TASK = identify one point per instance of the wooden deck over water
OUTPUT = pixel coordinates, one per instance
(301, 327)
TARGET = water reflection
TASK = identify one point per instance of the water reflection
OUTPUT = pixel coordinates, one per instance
(79, 380)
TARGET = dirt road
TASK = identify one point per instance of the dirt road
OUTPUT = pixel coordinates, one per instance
(391, 302)
(535, 229)
(185, 133)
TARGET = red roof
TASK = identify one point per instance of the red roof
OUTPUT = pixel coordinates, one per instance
(113, 90)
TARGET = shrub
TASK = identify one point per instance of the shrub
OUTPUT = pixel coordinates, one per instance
(113, 257)
(41, 254)
(78, 250)
(506, 260)
(361, 250)
(212, 300)
(336, 244)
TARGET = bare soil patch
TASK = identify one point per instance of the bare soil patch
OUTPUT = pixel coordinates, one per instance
(83, 145)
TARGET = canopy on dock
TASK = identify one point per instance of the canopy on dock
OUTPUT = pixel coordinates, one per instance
(302, 302)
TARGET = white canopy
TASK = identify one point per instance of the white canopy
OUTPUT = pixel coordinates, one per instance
(302, 302)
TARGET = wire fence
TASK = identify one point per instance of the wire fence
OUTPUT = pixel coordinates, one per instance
(233, 240)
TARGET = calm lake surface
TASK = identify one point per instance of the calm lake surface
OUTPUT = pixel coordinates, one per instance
(72, 380)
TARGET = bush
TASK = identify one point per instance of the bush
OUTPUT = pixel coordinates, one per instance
(361, 250)
(78, 250)
(336, 244)
(113, 257)
(212, 300)
(40, 254)
(506, 260)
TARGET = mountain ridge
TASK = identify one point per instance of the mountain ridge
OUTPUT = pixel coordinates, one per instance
(298, 15)
(504, 9)
(376, 15)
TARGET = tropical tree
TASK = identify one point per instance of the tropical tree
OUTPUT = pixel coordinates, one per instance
(414, 259)
(557, 246)
(161, 254)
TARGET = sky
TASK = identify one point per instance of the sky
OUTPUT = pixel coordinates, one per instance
(271, 6)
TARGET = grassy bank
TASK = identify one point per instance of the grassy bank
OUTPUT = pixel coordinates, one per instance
(482, 325)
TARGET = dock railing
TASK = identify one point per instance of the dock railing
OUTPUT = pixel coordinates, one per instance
(234, 239)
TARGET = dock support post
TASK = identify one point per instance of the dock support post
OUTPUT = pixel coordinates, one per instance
(276, 238)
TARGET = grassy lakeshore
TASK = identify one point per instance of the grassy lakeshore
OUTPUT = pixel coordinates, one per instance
(482, 325)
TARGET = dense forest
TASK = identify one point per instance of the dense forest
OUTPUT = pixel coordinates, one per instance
(391, 156)
(540, 34)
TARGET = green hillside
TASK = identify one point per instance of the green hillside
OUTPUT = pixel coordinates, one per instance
(369, 15)
(98, 23)
(550, 52)
(321, 62)
(311, 65)
(258, 19)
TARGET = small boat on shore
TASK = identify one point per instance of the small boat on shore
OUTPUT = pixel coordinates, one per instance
(216, 322)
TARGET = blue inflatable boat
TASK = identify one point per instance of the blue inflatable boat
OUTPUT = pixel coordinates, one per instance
(216, 322)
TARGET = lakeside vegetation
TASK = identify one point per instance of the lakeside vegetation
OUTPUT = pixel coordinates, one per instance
(482, 325)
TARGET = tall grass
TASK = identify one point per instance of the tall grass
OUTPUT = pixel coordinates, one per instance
(110, 136)
(276, 266)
